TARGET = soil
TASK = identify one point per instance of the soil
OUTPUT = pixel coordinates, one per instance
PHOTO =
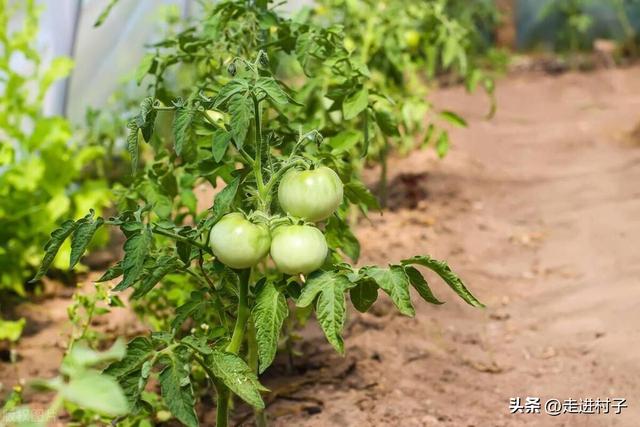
(538, 210)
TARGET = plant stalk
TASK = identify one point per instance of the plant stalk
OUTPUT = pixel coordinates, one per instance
(243, 313)
(222, 407)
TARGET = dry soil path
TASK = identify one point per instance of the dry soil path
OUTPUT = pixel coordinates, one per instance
(539, 210)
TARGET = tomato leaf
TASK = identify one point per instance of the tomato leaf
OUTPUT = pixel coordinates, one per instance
(230, 89)
(355, 103)
(139, 349)
(111, 273)
(219, 144)
(421, 285)
(136, 249)
(339, 235)
(164, 265)
(128, 371)
(147, 118)
(224, 199)
(58, 236)
(241, 111)
(182, 129)
(145, 65)
(176, 388)
(197, 303)
(453, 118)
(236, 374)
(132, 144)
(395, 283)
(269, 313)
(344, 141)
(329, 288)
(272, 89)
(96, 392)
(442, 269)
(358, 194)
(364, 294)
(82, 237)
(442, 144)
(387, 123)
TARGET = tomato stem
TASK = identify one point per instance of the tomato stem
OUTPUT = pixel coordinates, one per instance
(243, 312)
(257, 165)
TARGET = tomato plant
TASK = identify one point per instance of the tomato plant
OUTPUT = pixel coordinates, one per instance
(240, 302)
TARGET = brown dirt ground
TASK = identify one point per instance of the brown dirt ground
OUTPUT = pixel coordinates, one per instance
(539, 211)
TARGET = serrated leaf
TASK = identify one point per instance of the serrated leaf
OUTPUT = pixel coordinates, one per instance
(339, 236)
(442, 269)
(182, 129)
(224, 199)
(232, 88)
(241, 111)
(236, 374)
(111, 273)
(273, 90)
(195, 302)
(132, 144)
(96, 392)
(82, 237)
(176, 389)
(164, 265)
(58, 236)
(355, 103)
(329, 288)
(269, 313)
(139, 349)
(147, 118)
(364, 294)
(219, 144)
(358, 194)
(136, 249)
(395, 283)
(198, 343)
(421, 285)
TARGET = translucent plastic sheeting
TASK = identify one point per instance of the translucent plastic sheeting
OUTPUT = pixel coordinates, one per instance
(104, 56)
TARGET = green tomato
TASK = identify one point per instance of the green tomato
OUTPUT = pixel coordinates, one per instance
(239, 243)
(298, 249)
(312, 194)
(412, 38)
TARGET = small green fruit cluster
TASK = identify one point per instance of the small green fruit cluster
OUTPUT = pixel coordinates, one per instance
(311, 195)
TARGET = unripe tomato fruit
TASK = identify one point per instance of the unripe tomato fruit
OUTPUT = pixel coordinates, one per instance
(298, 249)
(239, 243)
(312, 194)
(412, 39)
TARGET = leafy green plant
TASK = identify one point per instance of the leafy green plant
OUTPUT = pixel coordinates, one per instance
(575, 23)
(80, 386)
(41, 165)
(227, 331)
(404, 48)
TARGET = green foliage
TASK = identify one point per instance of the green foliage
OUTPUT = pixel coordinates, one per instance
(80, 385)
(160, 246)
(42, 167)
(243, 121)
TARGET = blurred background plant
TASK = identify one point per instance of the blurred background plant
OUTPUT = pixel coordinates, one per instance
(45, 173)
